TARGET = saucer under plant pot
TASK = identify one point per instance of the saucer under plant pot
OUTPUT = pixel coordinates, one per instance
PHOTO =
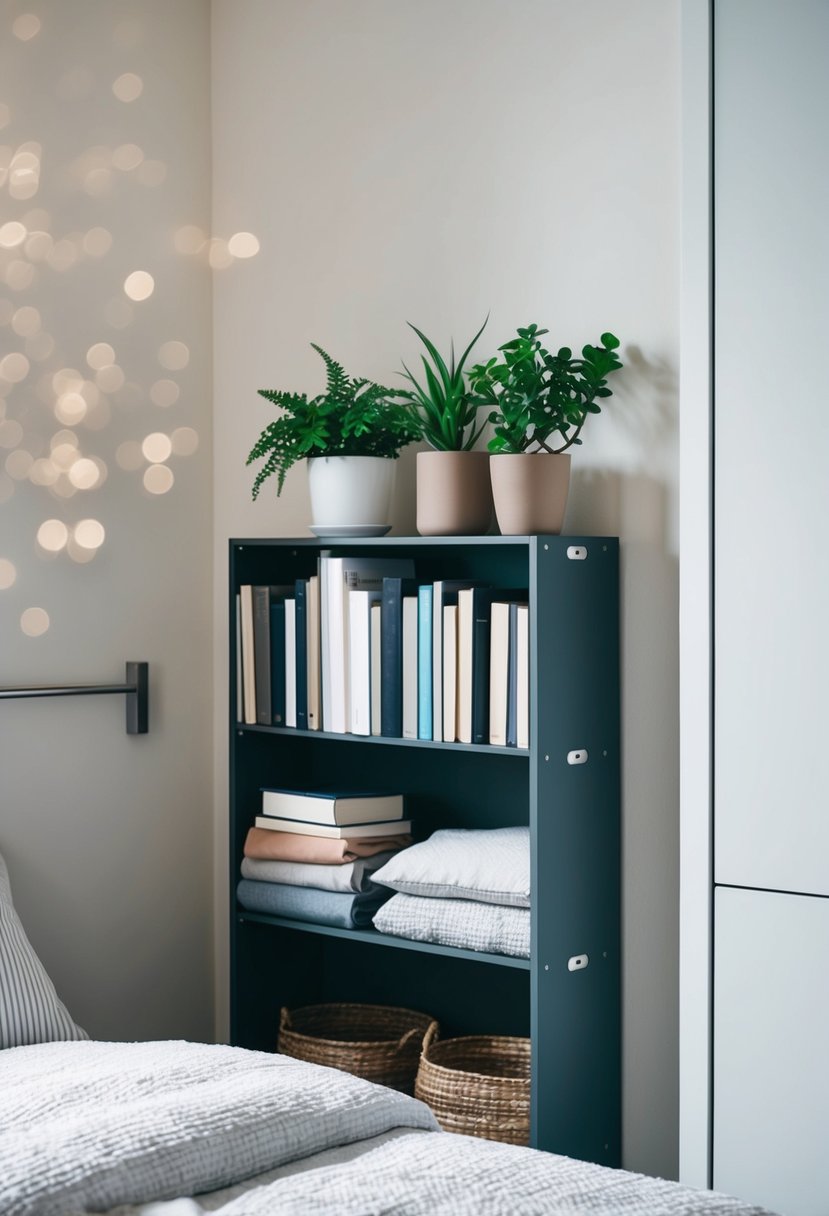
(454, 492)
(539, 403)
(530, 493)
(350, 436)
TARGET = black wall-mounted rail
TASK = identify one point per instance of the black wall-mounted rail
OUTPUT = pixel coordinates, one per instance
(136, 687)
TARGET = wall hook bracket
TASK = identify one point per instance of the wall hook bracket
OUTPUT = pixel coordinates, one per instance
(136, 687)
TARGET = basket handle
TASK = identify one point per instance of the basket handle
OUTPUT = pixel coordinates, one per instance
(416, 1034)
(431, 1036)
(284, 1019)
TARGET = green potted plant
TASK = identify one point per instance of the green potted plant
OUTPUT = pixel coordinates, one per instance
(350, 436)
(454, 496)
(539, 403)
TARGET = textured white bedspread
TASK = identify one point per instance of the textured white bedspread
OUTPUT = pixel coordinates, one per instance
(87, 1126)
(413, 1174)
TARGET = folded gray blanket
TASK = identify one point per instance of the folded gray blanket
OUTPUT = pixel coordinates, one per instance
(350, 877)
(343, 911)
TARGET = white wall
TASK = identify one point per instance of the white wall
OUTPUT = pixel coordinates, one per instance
(108, 838)
(431, 162)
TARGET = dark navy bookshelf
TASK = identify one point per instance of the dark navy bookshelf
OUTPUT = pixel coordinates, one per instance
(571, 1011)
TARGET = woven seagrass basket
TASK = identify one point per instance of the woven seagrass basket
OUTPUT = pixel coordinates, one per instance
(477, 1085)
(378, 1042)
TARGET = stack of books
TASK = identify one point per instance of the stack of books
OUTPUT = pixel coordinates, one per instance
(363, 648)
(310, 856)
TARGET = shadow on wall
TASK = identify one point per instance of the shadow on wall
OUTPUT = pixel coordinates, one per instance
(636, 506)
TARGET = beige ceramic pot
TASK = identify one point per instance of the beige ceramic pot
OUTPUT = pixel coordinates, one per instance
(454, 493)
(530, 492)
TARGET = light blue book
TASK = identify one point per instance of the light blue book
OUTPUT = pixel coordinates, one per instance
(424, 662)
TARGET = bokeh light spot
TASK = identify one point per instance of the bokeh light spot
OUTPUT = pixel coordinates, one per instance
(97, 242)
(156, 447)
(185, 441)
(52, 535)
(14, 368)
(189, 239)
(34, 622)
(139, 285)
(127, 157)
(243, 245)
(89, 534)
(164, 393)
(11, 433)
(19, 463)
(128, 87)
(26, 321)
(110, 379)
(84, 474)
(12, 234)
(158, 479)
(219, 256)
(26, 26)
(174, 355)
(8, 574)
(100, 355)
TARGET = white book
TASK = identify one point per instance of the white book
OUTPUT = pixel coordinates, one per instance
(338, 576)
(441, 589)
(498, 673)
(522, 662)
(409, 666)
(359, 659)
(353, 831)
(290, 662)
(466, 624)
(312, 618)
(240, 708)
(450, 673)
(376, 630)
(248, 669)
(325, 634)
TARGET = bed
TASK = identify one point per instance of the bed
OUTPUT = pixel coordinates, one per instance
(182, 1129)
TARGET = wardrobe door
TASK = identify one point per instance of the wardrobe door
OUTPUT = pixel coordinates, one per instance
(771, 442)
(771, 1050)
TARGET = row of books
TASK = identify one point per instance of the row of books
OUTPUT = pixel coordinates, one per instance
(362, 648)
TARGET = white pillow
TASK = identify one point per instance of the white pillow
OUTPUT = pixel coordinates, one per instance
(30, 1009)
(491, 866)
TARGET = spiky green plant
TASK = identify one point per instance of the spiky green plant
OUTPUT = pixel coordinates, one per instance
(537, 395)
(352, 417)
(442, 404)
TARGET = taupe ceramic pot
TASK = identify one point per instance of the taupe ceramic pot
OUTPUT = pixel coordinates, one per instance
(454, 493)
(530, 492)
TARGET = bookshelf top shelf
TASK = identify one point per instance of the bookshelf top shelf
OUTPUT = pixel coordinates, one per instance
(429, 542)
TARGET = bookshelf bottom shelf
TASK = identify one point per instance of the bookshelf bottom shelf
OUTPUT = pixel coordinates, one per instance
(372, 937)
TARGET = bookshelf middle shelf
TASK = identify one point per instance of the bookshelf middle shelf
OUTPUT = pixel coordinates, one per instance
(372, 937)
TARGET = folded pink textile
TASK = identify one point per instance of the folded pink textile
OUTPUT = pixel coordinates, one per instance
(322, 850)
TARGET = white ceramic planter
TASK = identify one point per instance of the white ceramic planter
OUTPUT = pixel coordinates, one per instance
(351, 491)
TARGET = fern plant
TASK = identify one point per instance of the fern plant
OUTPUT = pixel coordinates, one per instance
(442, 404)
(541, 400)
(352, 417)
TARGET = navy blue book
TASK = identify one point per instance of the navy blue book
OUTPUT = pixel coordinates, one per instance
(301, 593)
(277, 656)
(481, 614)
(512, 678)
(391, 655)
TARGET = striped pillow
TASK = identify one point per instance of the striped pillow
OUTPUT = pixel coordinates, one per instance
(30, 1009)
